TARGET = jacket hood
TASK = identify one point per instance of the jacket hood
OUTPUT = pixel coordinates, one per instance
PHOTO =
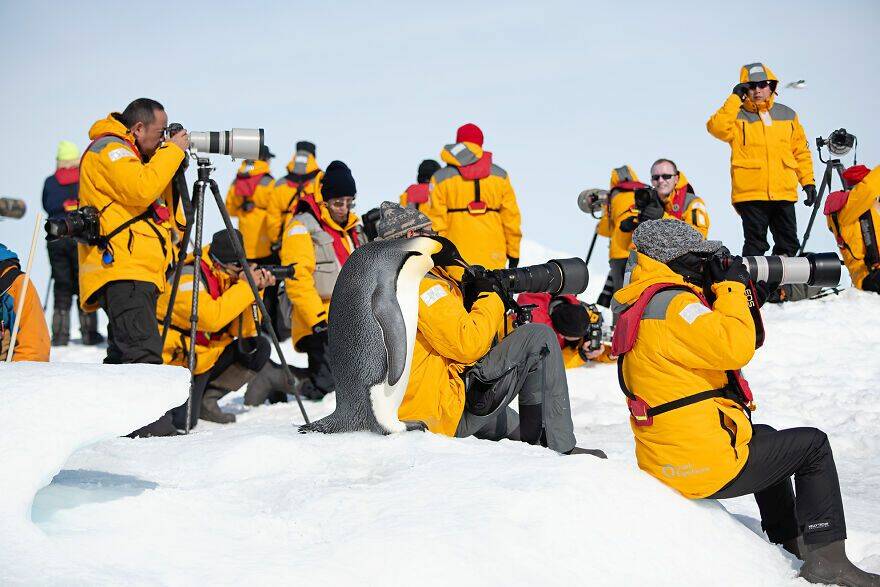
(252, 168)
(622, 174)
(756, 72)
(302, 162)
(470, 159)
(110, 126)
(646, 273)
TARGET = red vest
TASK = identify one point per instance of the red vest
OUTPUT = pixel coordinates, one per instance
(246, 185)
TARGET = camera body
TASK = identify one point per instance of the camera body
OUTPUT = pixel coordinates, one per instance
(83, 225)
(594, 333)
(839, 142)
(644, 197)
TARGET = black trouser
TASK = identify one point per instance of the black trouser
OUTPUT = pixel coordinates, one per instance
(64, 260)
(871, 282)
(774, 456)
(316, 347)
(526, 364)
(779, 217)
(133, 332)
(250, 353)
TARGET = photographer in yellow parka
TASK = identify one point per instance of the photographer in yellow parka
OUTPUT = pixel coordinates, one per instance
(854, 219)
(616, 224)
(472, 203)
(248, 199)
(769, 155)
(228, 350)
(303, 179)
(126, 175)
(691, 322)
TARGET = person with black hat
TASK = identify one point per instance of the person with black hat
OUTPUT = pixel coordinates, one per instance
(318, 239)
(303, 179)
(228, 350)
(417, 194)
(462, 384)
(690, 322)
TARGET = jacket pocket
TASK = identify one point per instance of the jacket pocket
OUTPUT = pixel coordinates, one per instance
(747, 175)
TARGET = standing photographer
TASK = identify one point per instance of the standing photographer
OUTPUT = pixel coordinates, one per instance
(460, 385)
(303, 179)
(60, 196)
(418, 194)
(126, 175)
(688, 329)
(769, 155)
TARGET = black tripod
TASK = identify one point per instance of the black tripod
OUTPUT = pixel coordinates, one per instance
(194, 210)
(831, 164)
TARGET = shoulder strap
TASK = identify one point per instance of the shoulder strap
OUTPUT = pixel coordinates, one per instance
(9, 278)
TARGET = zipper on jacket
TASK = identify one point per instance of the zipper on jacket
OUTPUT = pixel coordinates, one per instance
(744, 132)
(729, 433)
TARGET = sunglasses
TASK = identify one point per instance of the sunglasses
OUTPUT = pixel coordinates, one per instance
(756, 85)
(662, 176)
(340, 203)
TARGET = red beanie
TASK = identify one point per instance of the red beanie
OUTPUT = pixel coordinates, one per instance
(470, 133)
(855, 174)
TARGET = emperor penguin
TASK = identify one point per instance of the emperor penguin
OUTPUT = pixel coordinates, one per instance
(374, 312)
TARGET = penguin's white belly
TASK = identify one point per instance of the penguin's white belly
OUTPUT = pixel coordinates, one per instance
(385, 398)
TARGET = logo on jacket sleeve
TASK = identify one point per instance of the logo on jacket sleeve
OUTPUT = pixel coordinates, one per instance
(693, 311)
(431, 295)
(119, 153)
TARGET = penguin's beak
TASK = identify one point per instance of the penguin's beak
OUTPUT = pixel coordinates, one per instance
(448, 254)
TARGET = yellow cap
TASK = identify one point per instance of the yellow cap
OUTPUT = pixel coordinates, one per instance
(67, 151)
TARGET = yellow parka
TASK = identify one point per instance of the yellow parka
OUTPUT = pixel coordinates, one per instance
(114, 179)
(248, 200)
(288, 190)
(449, 339)
(859, 216)
(769, 153)
(221, 320)
(684, 348)
(309, 244)
(621, 205)
(686, 206)
(486, 232)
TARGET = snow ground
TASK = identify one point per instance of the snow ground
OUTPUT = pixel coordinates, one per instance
(257, 502)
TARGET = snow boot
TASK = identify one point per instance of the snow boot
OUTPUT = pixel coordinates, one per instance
(210, 410)
(270, 383)
(88, 328)
(587, 451)
(795, 546)
(60, 327)
(827, 563)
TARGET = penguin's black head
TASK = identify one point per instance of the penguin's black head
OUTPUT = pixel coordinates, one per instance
(448, 254)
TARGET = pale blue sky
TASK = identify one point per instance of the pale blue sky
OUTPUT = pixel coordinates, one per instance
(563, 91)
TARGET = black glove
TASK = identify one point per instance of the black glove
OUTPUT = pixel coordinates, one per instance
(629, 224)
(720, 268)
(476, 280)
(653, 211)
(764, 290)
(513, 262)
(810, 190)
(741, 90)
(648, 203)
(319, 331)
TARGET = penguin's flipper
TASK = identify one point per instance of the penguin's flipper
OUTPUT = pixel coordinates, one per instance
(387, 312)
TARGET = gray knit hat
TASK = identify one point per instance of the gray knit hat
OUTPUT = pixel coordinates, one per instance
(395, 221)
(668, 239)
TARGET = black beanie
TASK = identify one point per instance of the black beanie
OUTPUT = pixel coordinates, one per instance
(338, 182)
(570, 319)
(306, 146)
(222, 249)
(427, 168)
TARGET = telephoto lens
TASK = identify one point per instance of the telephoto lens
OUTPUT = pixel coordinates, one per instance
(557, 276)
(12, 207)
(817, 269)
(238, 143)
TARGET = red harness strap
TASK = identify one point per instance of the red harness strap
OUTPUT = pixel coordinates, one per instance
(625, 334)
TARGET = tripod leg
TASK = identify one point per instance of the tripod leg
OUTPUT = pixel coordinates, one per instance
(199, 213)
(239, 252)
(592, 245)
(182, 195)
(825, 185)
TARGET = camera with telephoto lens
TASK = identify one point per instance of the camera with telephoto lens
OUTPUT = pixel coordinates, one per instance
(83, 225)
(592, 201)
(816, 269)
(279, 271)
(238, 143)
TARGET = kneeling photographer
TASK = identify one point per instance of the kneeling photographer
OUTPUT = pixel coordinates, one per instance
(460, 384)
(692, 320)
(229, 351)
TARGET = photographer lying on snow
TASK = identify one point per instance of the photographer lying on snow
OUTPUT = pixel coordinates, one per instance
(460, 384)
(687, 330)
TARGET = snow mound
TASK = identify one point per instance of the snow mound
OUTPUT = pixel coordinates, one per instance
(50, 411)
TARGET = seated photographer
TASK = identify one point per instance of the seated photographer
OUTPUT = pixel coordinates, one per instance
(460, 384)
(318, 240)
(578, 327)
(854, 219)
(687, 330)
(677, 196)
(615, 224)
(126, 175)
(32, 340)
(228, 350)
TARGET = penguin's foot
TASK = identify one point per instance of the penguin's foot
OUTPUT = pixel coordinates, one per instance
(415, 425)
